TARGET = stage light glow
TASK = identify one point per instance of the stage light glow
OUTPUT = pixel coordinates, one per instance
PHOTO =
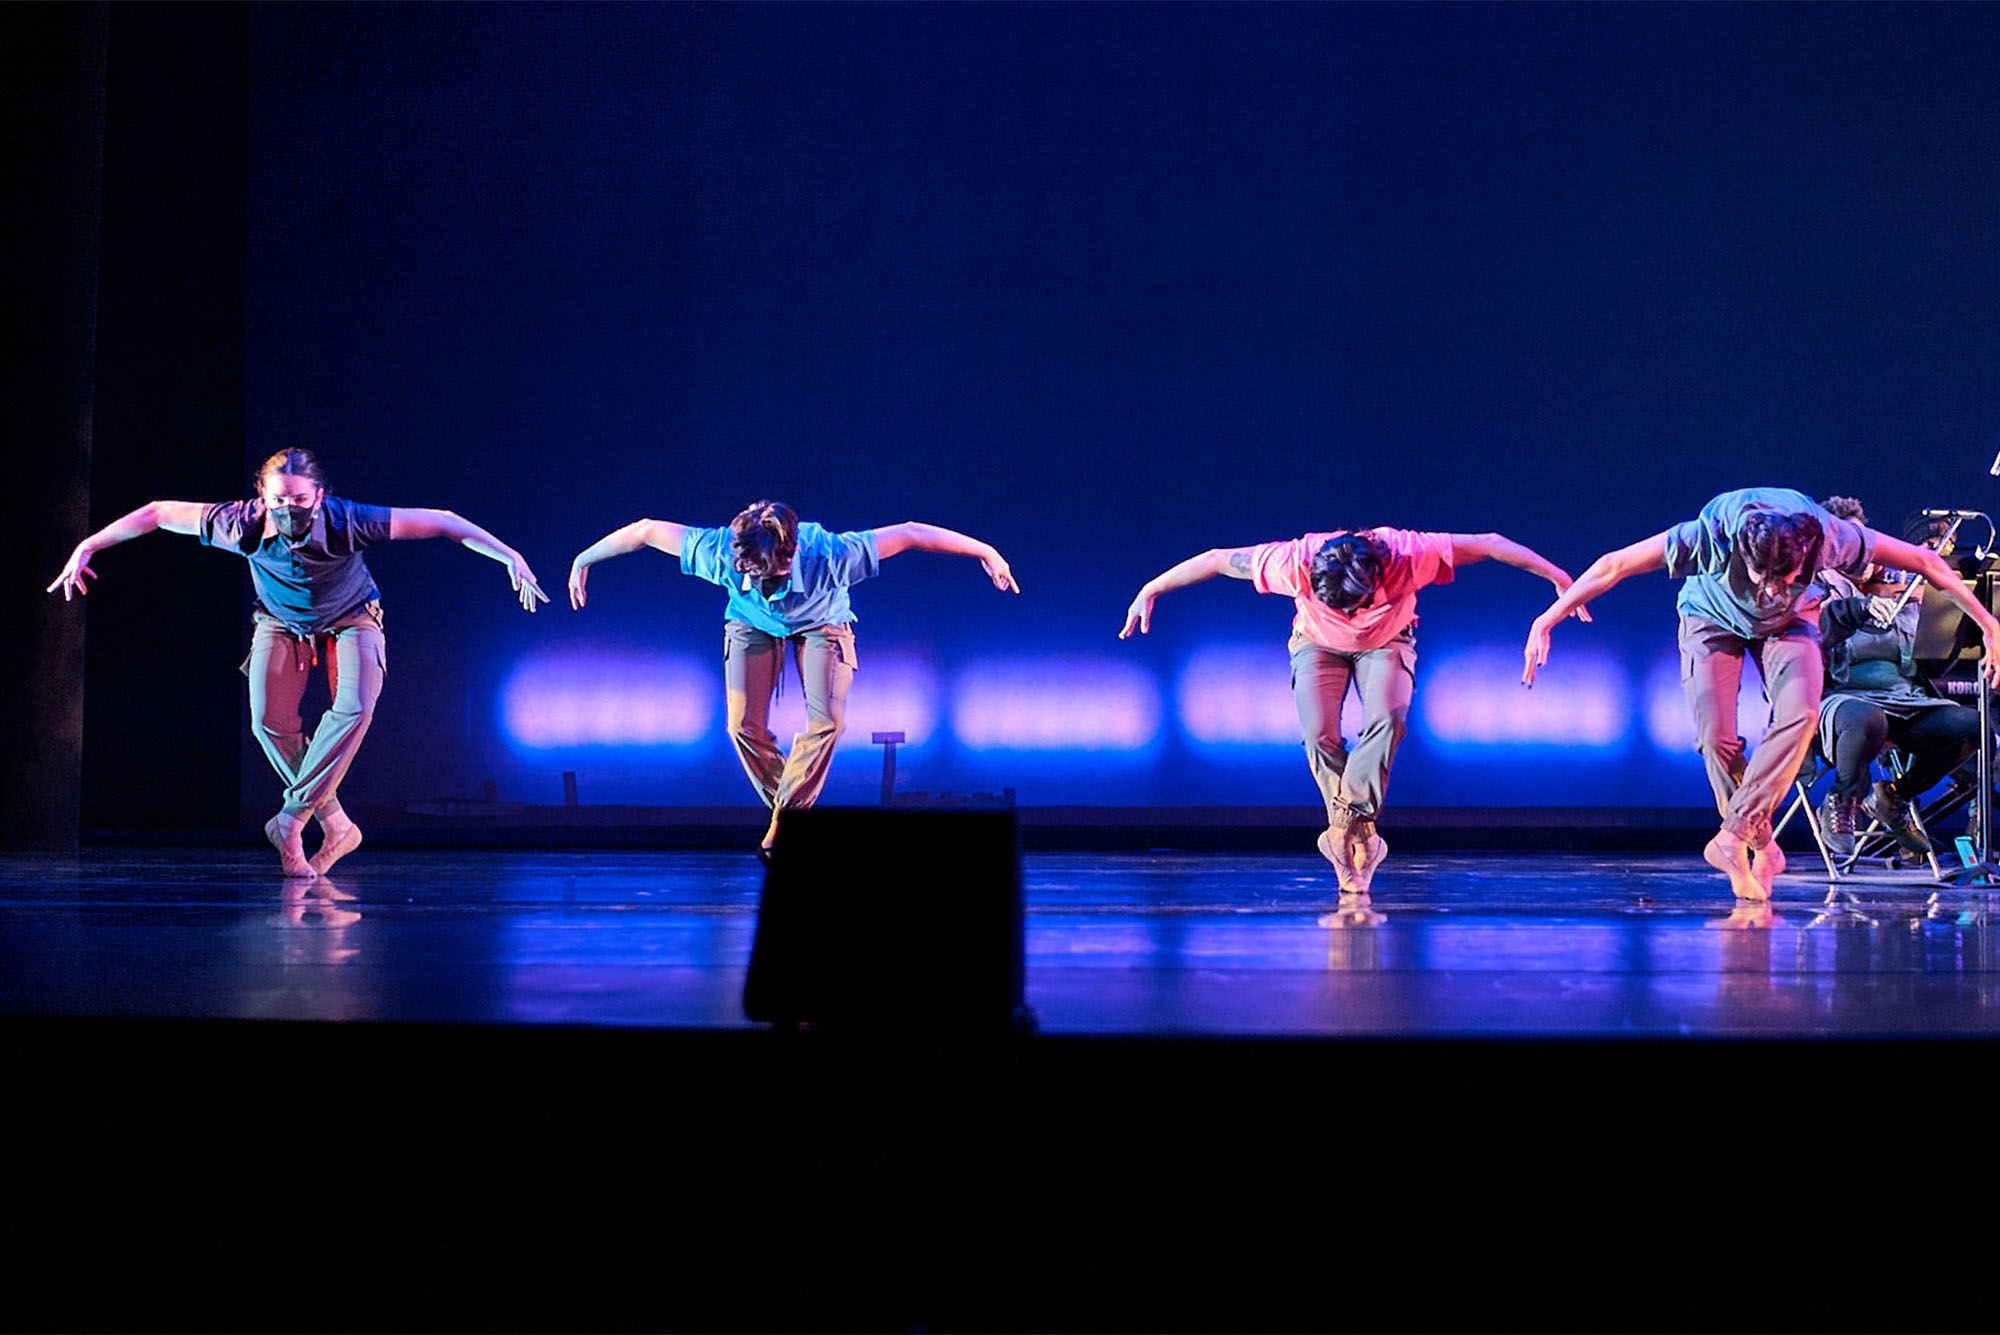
(1055, 704)
(1476, 699)
(1669, 721)
(1241, 695)
(889, 694)
(610, 697)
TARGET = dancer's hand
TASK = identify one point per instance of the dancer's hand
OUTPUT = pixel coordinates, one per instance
(1536, 651)
(525, 584)
(73, 573)
(579, 592)
(1000, 573)
(1139, 616)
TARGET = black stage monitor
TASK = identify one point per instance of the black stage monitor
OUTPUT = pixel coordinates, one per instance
(883, 920)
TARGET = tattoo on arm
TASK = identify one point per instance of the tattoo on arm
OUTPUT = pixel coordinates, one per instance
(1239, 562)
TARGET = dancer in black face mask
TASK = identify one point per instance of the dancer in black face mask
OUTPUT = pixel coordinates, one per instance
(314, 600)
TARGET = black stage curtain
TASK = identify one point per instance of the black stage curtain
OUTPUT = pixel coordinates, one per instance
(52, 101)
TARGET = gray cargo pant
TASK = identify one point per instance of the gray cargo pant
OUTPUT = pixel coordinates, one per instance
(1711, 672)
(752, 664)
(356, 656)
(1353, 783)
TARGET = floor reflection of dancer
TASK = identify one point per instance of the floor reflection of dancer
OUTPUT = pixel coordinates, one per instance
(1356, 598)
(1745, 563)
(787, 584)
(314, 597)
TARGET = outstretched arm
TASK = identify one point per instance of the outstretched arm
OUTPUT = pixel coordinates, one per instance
(1606, 571)
(405, 524)
(659, 534)
(930, 538)
(1900, 555)
(1233, 562)
(173, 516)
(1467, 548)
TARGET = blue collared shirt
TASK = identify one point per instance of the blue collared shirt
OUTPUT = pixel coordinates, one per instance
(311, 583)
(814, 594)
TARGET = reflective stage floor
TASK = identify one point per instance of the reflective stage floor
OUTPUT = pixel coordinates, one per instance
(1210, 944)
(516, 1091)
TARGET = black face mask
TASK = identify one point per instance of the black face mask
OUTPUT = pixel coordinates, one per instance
(293, 521)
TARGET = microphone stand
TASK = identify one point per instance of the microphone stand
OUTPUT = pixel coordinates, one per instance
(1981, 870)
(1985, 849)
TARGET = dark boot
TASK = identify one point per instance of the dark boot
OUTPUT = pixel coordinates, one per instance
(1836, 824)
(1894, 813)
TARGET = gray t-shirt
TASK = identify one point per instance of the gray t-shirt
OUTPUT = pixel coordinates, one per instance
(312, 583)
(1702, 554)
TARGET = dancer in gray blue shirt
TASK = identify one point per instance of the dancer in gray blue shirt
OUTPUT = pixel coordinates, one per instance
(1746, 562)
(313, 596)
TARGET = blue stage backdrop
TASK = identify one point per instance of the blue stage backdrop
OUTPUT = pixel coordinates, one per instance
(1106, 285)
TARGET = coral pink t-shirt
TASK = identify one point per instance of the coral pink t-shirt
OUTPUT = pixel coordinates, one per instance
(1415, 561)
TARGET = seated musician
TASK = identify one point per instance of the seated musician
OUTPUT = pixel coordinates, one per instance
(1874, 697)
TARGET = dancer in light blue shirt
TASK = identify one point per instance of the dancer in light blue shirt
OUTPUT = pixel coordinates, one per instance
(788, 582)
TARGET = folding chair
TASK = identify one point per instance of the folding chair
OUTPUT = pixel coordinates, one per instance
(1960, 787)
(1816, 767)
(1873, 842)
(1876, 841)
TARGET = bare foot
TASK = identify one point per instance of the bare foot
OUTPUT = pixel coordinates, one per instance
(1767, 861)
(283, 831)
(1335, 851)
(1368, 857)
(339, 842)
(1731, 856)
